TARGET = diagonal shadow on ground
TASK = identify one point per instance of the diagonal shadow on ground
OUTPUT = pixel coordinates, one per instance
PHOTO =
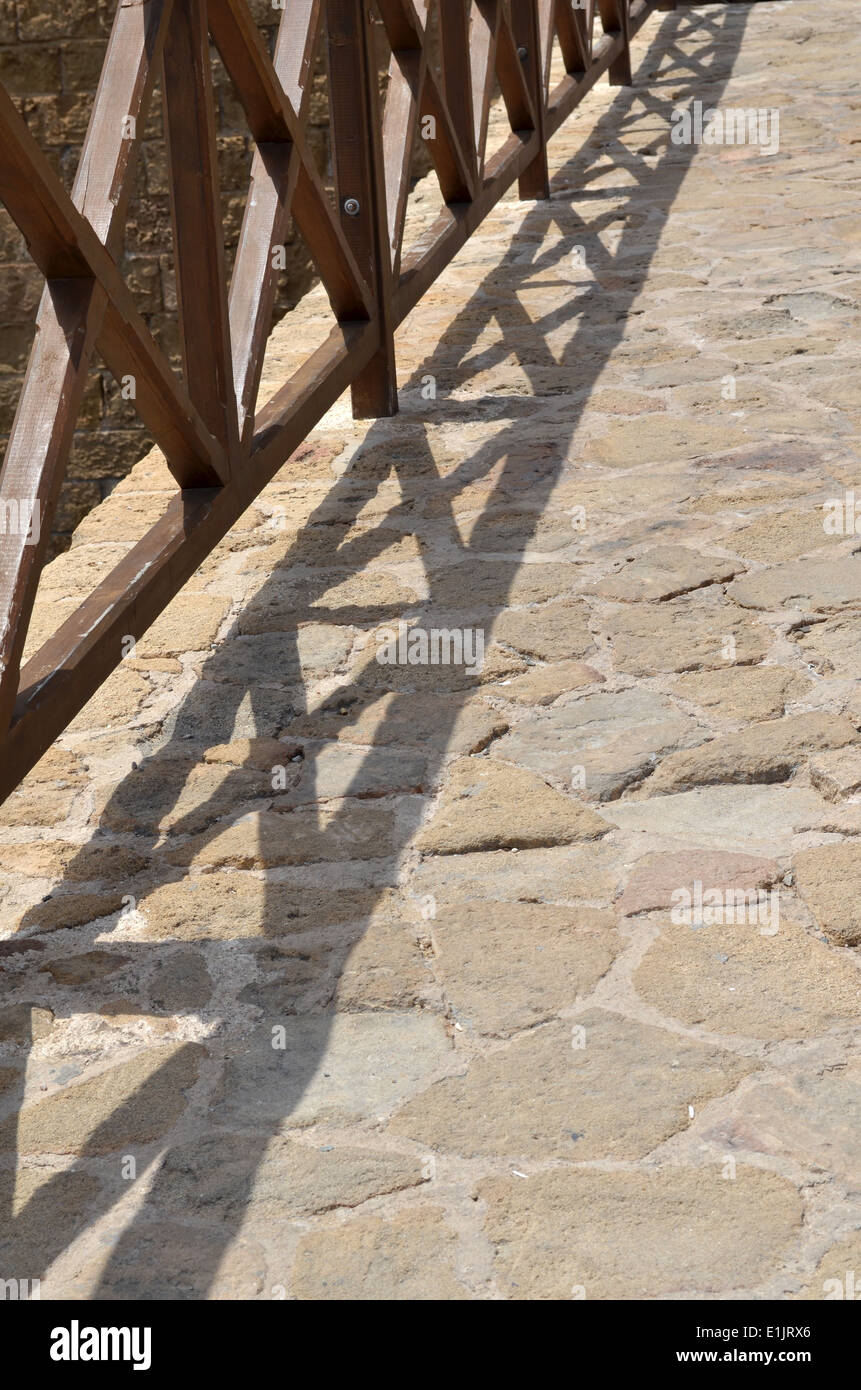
(517, 480)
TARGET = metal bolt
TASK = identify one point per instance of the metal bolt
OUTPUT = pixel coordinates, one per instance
(523, 52)
(351, 207)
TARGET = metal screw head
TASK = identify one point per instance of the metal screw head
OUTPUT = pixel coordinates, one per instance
(522, 52)
(351, 207)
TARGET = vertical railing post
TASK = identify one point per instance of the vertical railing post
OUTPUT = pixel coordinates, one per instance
(614, 20)
(360, 187)
(534, 182)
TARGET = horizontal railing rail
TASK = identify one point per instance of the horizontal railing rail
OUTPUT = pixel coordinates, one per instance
(220, 448)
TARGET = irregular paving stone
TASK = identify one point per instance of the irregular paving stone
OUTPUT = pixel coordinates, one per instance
(681, 636)
(726, 817)
(351, 829)
(611, 740)
(541, 685)
(133, 1102)
(659, 438)
(410, 1256)
(221, 713)
(481, 584)
(167, 1260)
(772, 539)
(339, 1066)
(834, 647)
(838, 1274)
(383, 970)
(43, 1211)
(505, 967)
(223, 1177)
(730, 978)
(283, 602)
(837, 774)
(276, 658)
(22, 1023)
(656, 878)
(584, 1233)
(546, 1096)
(189, 623)
(78, 863)
(180, 796)
(432, 721)
(81, 969)
(750, 693)
(814, 1119)
(556, 630)
(487, 805)
(221, 906)
(181, 981)
(117, 702)
(261, 753)
(664, 573)
(333, 771)
(72, 910)
(769, 752)
(829, 879)
(561, 874)
(820, 586)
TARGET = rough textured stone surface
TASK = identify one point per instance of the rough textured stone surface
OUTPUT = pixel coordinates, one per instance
(488, 805)
(375, 964)
(769, 752)
(829, 879)
(410, 1257)
(614, 739)
(732, 978)
(132, 1103)
(509, 966)
(544, 1097)
(751, 693)
(682, 636)
(655, 879)
(665, 573)
(813, 1118)
(570, 1233)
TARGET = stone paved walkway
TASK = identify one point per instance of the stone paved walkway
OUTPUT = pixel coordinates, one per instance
(328, 978)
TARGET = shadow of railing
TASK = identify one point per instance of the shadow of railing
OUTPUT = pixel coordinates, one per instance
(30, 1244)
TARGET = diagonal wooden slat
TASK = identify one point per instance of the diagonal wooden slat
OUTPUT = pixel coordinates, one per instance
(198, 236)
(62, 242)
(271, 117)
(68, 322)
(572, 37)
(408, 39)
(482, 39)
(360, 184)
(275, 168)
(512, 77)
(534, 182)
(455, 65)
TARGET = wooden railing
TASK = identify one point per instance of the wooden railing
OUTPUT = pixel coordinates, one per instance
(219, 447)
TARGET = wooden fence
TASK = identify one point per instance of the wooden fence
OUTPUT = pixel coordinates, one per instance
(445, 60)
